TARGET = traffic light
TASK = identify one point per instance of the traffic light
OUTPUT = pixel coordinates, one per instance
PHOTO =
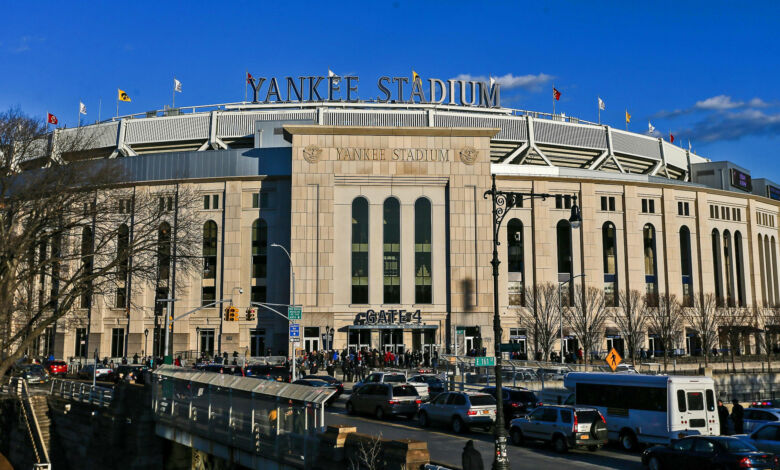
(250, 314)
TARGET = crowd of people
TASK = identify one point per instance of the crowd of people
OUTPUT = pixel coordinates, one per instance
(355, 365)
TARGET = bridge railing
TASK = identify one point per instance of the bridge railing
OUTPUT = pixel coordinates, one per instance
(83, 392)
(275, 420)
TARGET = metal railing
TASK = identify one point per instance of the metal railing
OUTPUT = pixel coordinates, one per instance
(82, 392)
(18, 387)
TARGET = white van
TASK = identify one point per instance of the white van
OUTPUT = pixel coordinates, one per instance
(648, 409)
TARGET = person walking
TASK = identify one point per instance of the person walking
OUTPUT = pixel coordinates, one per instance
(723, 416)
(471, 459)
(737, 416)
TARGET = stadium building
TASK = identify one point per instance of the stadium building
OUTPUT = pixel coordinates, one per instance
(380, 205)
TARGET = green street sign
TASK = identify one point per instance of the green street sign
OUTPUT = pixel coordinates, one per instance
(485, 361)
(460, 332)
(511, 347)
(294, 313)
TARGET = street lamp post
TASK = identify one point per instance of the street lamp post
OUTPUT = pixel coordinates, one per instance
(503, 201)
(560, 305)
(167, 359)
(146, 341)
(289, 322)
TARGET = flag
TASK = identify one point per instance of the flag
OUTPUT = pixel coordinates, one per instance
(176, 85)
(628, 117)
(556, 94)
(602, 106)
(492, 82)
(330, 73)
(689, 145)
(671, 137)
(51, 119)
(82, 108)
(122, 96)
(650, 128)
(416, 78)
(249, 78)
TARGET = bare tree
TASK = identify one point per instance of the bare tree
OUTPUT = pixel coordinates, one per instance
(734, 323)
(587, 317)
(541, 318)
(767, 323)
(630, 320)
(703, 318)
(664, 319)
(69, 235)
(368, 455)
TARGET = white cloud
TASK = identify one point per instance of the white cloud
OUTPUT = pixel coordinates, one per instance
(758, 103)
(719, 103)
(735, 125)
(509, 81)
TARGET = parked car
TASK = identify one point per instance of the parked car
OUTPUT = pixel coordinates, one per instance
(32, 373)
(380, 378)
(316, 382)
(563, 426)
(434, 383)
(519, 375)
(765, 438)
(626, 369)
(518, 402)
(552, 373)
(385, 399)
(56, 368)
(224, 369)
(724, 452)
(101, 373)
(332, 381)
(268, 372)
(755, 417)
(461, 410)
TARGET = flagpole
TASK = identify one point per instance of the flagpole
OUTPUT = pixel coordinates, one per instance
(626, 116)
(246, 83)
(117, 108)
(47, 121)
(553, 98)
(100, 107)
(599, 106)
(173, 100)
(79, 124)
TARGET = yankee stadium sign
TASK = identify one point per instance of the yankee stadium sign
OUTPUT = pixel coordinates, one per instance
(390, 90)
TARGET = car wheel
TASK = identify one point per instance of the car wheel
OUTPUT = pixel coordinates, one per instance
(654, 464)
(517, 437)
(628, 441)
(457, 425)
(379, 413)
(559, 444)
(350, 408)
(423, 419)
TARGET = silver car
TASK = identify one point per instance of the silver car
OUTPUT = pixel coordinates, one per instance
(766, 438)
(461, 410)
(756, 417)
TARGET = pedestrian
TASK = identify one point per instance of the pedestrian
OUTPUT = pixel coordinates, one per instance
(723, 415)
(135, 358)
(471, 459)
(643, 354)
(737, 415)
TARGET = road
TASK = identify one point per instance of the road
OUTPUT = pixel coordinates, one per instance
(445, 447)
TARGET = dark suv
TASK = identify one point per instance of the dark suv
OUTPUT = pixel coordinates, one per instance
(563, 426)
(385, 399)
(518, 402)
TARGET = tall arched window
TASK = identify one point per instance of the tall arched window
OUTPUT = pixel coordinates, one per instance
(259, 261)
(123, 260)
(515, 262)
(164, 253)
(761, 264)
(609, 245)
(651, 267)
(391, 222)
(716, 266)
(686, 266)
(423, 277)
(770, 293)
(774, 272)
(360, 251)
(565, 265)
(86, 262)
(209, 288)
(728, 260)
(739, 262)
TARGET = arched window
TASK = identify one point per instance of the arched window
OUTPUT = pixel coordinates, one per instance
(774, 272)
(565, 265)
(86, 262)
(515, 262)
(259, 261)
(770, 293)
(209, 288)
(716, 266)
(609, 245)
(739, 262)
(391, 223)
(729, 262)
(651, 266)
(761, 263)
(423, 277)
(123, 265)
(163, 253)
(360, 251)
(686, 266)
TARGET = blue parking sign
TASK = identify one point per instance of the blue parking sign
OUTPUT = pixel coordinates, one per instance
(295, 330)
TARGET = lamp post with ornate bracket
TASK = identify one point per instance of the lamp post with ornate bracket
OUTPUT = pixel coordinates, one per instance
(503, 201)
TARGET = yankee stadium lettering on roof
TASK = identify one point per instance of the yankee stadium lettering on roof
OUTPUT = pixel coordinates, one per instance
(391, 90)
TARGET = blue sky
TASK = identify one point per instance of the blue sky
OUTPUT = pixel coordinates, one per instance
(706, 71)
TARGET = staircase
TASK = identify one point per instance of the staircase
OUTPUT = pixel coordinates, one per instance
(40, 408)
(35, 414)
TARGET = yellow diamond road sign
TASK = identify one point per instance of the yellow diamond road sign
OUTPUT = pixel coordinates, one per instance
(613, 359)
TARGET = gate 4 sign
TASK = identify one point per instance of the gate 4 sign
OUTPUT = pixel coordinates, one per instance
(613, 359)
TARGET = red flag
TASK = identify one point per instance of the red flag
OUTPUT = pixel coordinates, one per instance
(249, 78)
(51, 119)
(671, 138)
(556, 94)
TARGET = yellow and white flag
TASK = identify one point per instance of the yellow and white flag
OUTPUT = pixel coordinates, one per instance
(122, 96)
(628, 117)
(416, 78)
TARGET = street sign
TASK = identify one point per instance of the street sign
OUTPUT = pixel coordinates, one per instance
(484, 361)
(613, 359)
(511, 347)
(294, 313)
(460, 331)
(295, 330)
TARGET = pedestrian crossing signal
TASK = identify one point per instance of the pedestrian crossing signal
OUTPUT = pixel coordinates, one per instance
(250, 314)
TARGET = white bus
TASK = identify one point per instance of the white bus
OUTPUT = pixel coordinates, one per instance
(648, 409)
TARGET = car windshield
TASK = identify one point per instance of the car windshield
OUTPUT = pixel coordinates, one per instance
(521, 396)
(318, 383)
(736, 445)
(588, 416)
(482, 400)
(404, 391)
(395, 378)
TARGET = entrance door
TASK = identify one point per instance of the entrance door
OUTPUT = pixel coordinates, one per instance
(311, 338)
(358, 340)
(257, 342)
(207, 342)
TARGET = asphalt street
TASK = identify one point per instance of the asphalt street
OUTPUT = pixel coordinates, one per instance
(445, 447)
